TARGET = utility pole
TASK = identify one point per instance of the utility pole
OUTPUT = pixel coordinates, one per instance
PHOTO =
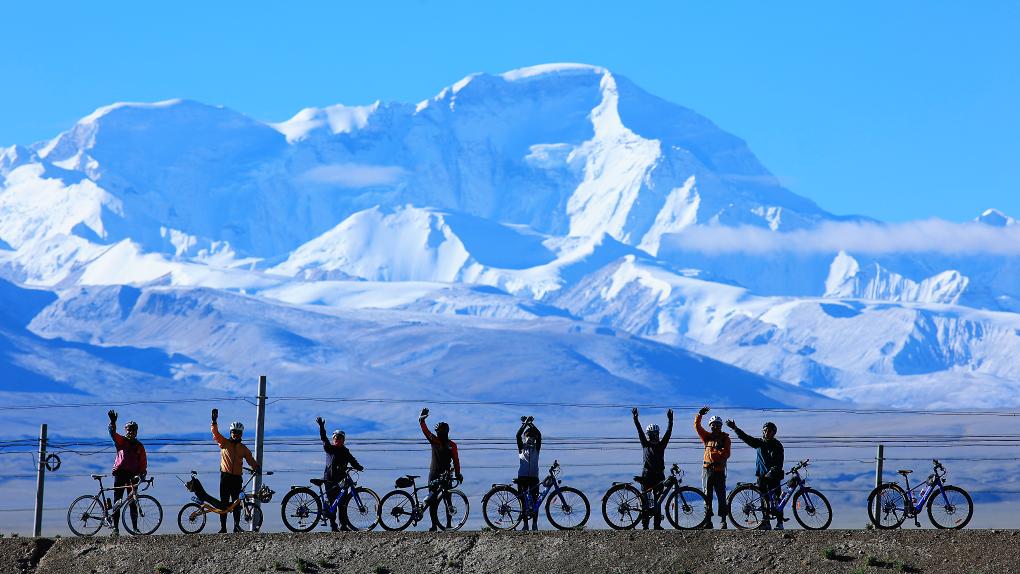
(260, 440)
(40, 483)
(879, 463)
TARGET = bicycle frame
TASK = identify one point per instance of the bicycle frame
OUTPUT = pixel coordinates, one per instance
(349, 488)
(931, 484)
(532, 507)
(648, 505)
(130, 496)
(242, 500)
(419, 506)
(787, 492)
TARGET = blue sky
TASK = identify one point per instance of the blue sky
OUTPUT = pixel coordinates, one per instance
(898, 110)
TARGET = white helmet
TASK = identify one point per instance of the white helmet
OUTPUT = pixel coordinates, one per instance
(339, 433)
(236, 426)
(714, 419)
(653, 428)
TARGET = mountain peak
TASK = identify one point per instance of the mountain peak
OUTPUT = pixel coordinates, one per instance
(995, 218)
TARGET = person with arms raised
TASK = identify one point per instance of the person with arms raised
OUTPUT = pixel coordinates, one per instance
(338, 458)
(233, 453)
(713, 473)
(129, 466)
(653, 471)
(768, 463)
(444, 455)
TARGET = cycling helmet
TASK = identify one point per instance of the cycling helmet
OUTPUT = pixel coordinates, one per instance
(236, 426)
(130, 425)
(652, 429)
(769, 425)
(714, 419)
(443, 429)
(339, 434)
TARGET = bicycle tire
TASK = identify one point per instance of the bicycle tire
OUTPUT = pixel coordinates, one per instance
(149, 509)
(890, 497)
(396, 510)
(622, 507)
(192, 518)
(692, 512)
(368, 510)
(567, 509)
(301, 509)
(82, 512)
(809, 504)
(502, 508)
(951, 509)
(251, 518)
(454, 510)
(745, 507)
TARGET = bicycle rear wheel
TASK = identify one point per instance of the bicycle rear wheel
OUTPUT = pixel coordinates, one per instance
(502, 508)
(453, 510)
(361, 509)
(954, 511)
(812, 510)
(300, 509)
(148, 515)
(622, 507)
(396, 510)
(890, 503)
(568, 509)
(687, 508)
(747, 507)
(191, 519)
(86, 515)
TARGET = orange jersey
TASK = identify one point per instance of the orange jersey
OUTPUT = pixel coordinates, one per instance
(717, 446)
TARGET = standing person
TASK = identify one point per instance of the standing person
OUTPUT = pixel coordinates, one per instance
(713, 472)
(529, 444)
(444, 454)
(129, 465)
(768, 464)
(653, 471)
(338, 457)
(233, 453)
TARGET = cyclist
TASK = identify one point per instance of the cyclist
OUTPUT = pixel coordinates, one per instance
(129, 466)
(713, 472)
(768, 464)
(654, 470)
(444, 454)
(233, 453)
(338, 458)
(529, 444)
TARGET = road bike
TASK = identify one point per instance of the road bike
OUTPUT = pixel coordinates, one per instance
(88, 513)
(504, 507)
(748, 508)
(192, 517)
(623, 505)
(303, 508)
(398, 509)
(949, 507)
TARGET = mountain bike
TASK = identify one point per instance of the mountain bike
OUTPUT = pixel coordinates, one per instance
(748, 508)
(302, 508)
(192, 517)
(88, 513)
(948, 506)
(504, 507)
(398, 509)
(623, 505)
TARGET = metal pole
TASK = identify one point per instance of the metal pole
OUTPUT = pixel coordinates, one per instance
(260, 438)
(40, 483)
(879, 463)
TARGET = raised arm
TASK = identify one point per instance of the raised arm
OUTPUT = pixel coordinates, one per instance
(222, 442)
(640, 431)
(669, 427)
(322, 434)
(751, 441)
(520, 433)
(425, 431)
(538, 438)
(702, 433)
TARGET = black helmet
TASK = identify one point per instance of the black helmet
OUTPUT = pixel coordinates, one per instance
(769, 425)
(443, 430)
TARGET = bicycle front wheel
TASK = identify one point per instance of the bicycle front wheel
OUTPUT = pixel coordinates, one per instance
(812, 510)
(687, 508)
(86, 515)
(887, 506)
(621, 507)
(953, 511)
(396, 510)
(300, 509)
(502, 508)
(142, 517)
(453, 510)
(191, 519)
(251, 518)
(747, 507)
(568, 509)
(361, 510)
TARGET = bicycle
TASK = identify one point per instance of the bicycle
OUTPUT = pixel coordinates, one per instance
(623, 505)
(810, 507)
(398, 509)
(302, 508)
(88, 513)
(192, 517)
(504, 507)
(893, 504)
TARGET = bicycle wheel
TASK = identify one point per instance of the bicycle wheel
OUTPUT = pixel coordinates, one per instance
(687, 508)
(251, 518)
(362, 510)
(746, 507)
(621, 507)
(953, 511)
(502, 508)
(812, 510)
(191, 519)
(148, 515)
(300, 509)
(567, 510)
(453, 510)
(890, 502)
(86, 515)
(396, 510)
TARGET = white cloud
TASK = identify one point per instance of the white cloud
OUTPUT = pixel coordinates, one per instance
(354, 175)
(927, 236)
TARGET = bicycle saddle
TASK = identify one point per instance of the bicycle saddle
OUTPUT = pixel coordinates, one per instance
(97, 476)
(413, 476)
(904, 472)
(317, 481)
